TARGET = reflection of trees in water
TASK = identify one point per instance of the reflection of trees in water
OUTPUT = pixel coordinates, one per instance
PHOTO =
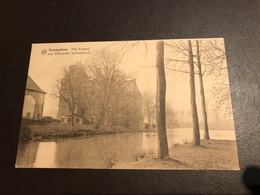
(149, 142)
(104, 151)
(26, 153)
(97, 152)
(46, 154)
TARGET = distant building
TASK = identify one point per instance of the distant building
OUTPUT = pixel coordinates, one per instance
(33, 100)
(130, 111)
(126, 112)
(64, 111)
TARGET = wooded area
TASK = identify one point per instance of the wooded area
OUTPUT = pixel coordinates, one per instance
(100, 84)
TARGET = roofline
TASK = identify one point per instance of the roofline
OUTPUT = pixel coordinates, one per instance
(34, 83)
(36, 90)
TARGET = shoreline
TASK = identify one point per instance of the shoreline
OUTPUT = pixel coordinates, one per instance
(210, 155)
(65, 131)
(56, 131)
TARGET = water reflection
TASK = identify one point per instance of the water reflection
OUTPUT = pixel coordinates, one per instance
(149, 142)
(45, 157)
(180, 136)
(26, 154)
(99, 151)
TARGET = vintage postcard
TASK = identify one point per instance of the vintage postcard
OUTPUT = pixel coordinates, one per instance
(147, 104)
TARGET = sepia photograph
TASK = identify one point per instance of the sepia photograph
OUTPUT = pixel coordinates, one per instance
(145, 104)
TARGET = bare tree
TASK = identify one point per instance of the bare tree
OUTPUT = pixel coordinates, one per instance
(149, 105)
(163, 152)
(195, 121)
(202, 94)
(72, 90)
(180, 59)
(108, 80)
(217, 68)
(171, 116)
(178, 65)
(184, 119)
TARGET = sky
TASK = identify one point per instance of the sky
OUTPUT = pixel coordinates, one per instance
(48, 59)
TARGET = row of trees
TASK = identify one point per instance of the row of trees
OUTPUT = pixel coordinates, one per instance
(149, 110)
(203, 58)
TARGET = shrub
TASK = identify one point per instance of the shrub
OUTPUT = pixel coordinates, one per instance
(109, 158)
(186, 140)
(138, 156)
(48, 119)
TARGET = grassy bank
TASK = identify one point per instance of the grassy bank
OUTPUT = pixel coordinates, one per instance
(211, 155)
(58, 131)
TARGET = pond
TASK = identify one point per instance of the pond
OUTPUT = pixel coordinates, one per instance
(99, 151)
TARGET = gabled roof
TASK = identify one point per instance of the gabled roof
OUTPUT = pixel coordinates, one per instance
(131, 86)
(31, 85)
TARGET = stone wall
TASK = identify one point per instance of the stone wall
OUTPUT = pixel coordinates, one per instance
(38, 106)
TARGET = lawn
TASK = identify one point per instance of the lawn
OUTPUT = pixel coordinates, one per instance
(211, 155)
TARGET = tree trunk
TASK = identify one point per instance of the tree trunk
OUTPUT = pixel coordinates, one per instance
(202, 94)
(195, 121)
(163, 152)
(83, 115)
(100, 118)
(98, 123)
(149, 118)
(72, 110)
(72, 119)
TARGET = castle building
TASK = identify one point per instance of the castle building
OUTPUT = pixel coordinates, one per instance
(125, 111)
(33, 100)
(130, 106)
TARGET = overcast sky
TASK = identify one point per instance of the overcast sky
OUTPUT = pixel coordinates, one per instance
(138, 61)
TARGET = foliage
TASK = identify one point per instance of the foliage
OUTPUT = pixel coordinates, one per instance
(44, 120)
(48, 119)
(215, 57)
